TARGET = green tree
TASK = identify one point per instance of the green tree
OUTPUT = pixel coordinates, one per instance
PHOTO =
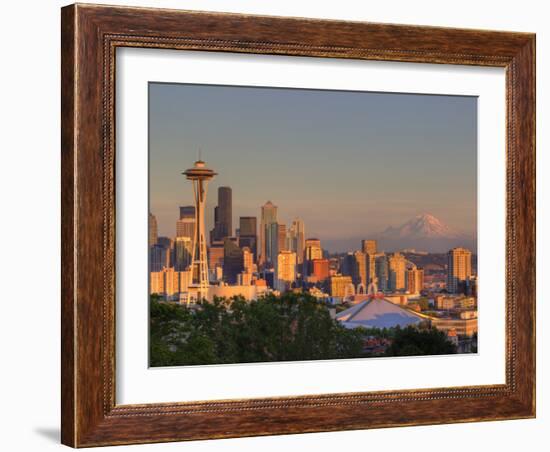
(411, 341)
(275, 328)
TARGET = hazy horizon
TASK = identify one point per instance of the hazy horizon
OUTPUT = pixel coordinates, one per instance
(349, 164)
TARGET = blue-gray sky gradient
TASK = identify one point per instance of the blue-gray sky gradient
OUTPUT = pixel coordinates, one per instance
(349, 164)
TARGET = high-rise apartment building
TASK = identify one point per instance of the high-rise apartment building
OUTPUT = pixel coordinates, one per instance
(459, 269)
(397, 266)
(414, 280)
(153, 230)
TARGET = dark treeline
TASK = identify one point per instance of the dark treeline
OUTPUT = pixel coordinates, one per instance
(290, 327)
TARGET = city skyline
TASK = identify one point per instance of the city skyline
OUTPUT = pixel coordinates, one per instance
(386, 200)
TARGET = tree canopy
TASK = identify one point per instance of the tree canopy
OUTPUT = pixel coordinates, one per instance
(289, 327)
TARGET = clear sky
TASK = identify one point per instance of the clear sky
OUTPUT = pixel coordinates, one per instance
(348, 163)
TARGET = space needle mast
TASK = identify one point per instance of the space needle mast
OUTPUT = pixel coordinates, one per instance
(199, 175)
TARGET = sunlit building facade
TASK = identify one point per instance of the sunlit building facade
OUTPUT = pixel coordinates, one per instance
(459, 269)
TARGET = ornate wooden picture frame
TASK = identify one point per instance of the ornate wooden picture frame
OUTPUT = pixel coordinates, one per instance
(90, 37)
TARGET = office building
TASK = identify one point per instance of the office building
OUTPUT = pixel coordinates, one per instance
(354, 265)
(369, 246)
(286, 270)
(223, 214)
(296, 239)
(185, 226)
(159, 257)
(248, 260)
(183, 249)
(248, 236)
(282, 237)
(267, 219)
(233, 260)
(271, 244)
(340, 286)
(312, 251)
(382, 272)
(320, 269)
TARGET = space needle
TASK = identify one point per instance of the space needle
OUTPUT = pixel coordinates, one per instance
(199, 175)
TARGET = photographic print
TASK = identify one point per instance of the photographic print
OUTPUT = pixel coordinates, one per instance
(294, 224)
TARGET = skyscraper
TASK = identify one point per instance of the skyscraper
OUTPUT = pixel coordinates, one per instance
(321, 269)
(183, 248)
(414, 280)
(223, 214)
(215, 255)
(153, 230)
(382, 272)
(248, 236)
(296, 239)
(271, 244)
(285, 273)
(354, 265)
(159, 258)
(282, 237)
(185, 226)
(459, 269)
(339, 285)
(248, 260)
(396, 266)
(199, 175)
(268, 217)
(233, 260)
(312, 251)
(369, 246)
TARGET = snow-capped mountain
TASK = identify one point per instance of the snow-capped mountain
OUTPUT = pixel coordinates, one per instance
(424, 232)
(424, 225)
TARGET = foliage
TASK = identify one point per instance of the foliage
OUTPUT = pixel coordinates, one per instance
(289, 327)
(411, 341)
